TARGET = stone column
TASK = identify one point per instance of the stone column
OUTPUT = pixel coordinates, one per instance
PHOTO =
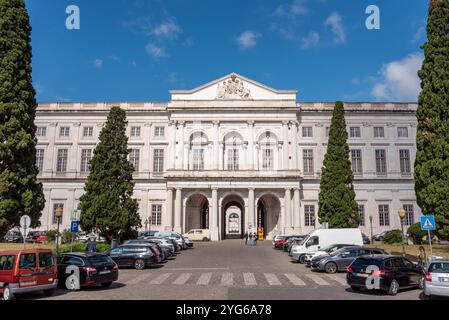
(171, 145)
(178, 209)
(250, 158)
(215, 161)
(181, 145)
(168, 225)
(251, 208)
(288, 210)
(296, 211)
(294, 132)
(285, 149)
(214, 216)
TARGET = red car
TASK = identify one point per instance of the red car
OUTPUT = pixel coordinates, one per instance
(23, 271)
(278, 244)
(36, 237)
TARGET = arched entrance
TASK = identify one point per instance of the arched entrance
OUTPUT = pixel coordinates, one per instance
(268, 213)
(233, 217)
(197, 212)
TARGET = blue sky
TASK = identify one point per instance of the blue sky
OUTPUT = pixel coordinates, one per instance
(137, 50)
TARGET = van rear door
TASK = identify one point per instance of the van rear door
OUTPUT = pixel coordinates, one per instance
(28, 271)
(47, 272)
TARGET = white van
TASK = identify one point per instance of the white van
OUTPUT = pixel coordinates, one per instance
(321, 238)
(197, 235)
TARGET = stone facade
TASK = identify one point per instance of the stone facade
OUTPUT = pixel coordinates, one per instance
(233, 155)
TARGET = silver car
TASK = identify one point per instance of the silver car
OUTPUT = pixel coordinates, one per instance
(437, 279)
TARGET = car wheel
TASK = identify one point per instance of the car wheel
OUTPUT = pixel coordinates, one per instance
(106, 284)
(394, 288)
(354, 288)
(49, 292)
(302, 259)
(331, 267)
(205, 239)
(139, 264)
(7, 294)
(427, 297)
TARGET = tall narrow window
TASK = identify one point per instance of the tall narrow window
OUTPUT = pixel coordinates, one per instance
(64, 131)
(354, 132)
(356, 161)
(159, 131)
(233, 159)
(135, 131)
(88, 131)
(56, 206)
(410, 216)
(402, 132)
(404, 159)
(156, 214)
(384, 215)
(307, 132)
(381, 162)
(309, 215)
(362, 214)
(86, 155)
(198, 159)
(308, 161)
(41, 131)
(61, 160)
(134, 158)
(40, 159)
(379, 132)
(267, 159)
(158, 160)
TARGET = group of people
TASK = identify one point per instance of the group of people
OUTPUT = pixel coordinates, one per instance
(250, 238)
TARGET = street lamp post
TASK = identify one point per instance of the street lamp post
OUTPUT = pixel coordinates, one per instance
(58, 215)
(371, 227)
(402, 214)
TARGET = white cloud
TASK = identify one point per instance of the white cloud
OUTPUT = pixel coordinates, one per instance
(311, 40)
(155, 51)
(98, 63)
(334, 21)
(294, 9)
(248, 39)
(173, 78)
(167, 29)
(399, 80)
(420, 33)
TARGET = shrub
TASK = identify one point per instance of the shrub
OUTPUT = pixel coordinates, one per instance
(393, 236)
(67, 236)
(82, 247)
(415, 232)
(51, 234)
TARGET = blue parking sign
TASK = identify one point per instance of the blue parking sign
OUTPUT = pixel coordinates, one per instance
(74, 226)
(428, 223)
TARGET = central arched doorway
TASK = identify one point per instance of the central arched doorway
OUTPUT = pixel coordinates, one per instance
(233, 217)
(268, 213)
(197, 212)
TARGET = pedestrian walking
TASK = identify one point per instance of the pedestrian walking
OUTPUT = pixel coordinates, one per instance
(91, 244)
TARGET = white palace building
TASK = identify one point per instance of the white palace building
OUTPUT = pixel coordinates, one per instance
(233, 155)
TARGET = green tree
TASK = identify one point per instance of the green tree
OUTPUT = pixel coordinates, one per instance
(432, 158)
(107, 204)
(337, 204)
(20, 193)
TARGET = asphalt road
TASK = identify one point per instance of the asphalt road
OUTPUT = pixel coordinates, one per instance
(227, 270)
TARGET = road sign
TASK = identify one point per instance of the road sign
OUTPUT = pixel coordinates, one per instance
(74, 226)
(428, 223)
(25, 222)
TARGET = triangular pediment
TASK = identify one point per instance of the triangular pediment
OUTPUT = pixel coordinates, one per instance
(233, 87)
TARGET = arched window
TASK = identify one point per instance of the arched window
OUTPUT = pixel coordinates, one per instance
(198, 146)
(233, 143)
(268, 150)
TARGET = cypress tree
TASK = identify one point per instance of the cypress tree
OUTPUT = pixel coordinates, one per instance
(107, 204)
(432, 158)
(337, 204)
(20, 193)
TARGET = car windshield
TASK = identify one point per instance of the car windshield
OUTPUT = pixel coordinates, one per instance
(439, 267)
(99, 260)
(331, 248)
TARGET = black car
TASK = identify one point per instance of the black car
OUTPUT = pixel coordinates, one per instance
(13, 236)
(384, 272)
(79, 269)
(137, 256)
(341, 259)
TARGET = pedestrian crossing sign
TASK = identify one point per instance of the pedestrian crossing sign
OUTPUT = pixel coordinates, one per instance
(428, 223)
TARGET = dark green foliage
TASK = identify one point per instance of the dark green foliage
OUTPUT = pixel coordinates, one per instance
(107, 204)
(432, 158)
(337, 204)
(393, 237)
(20, 193)
(415, 232)
(82, 247)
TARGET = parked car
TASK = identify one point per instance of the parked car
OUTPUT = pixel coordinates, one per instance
(341, 259)
(23, 271)
(325, 251)
(138, 256)
(286, 246)
(380, 236)
(321, 238)
(437, 279)
(14, 236)
(366, 239)
(94, 269)
(175, 236)
(86, 237)
(166, 243)
(392, 273)
(145, 234)
(164, 251)
(198, 235)
(279, 244)
(189, 243)
(277, 238)
(36, 237)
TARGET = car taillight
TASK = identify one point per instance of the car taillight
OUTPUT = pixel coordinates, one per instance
(428, 277)
(349, 270)
(153, 254)
(89, 269)
(378, 273)
(115, 267)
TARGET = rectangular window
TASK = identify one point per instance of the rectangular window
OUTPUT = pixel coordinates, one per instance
(134, 158)
(309, 215)
(88, 131)
(267, 159)
(56, 206)
(307, 156)
(354, 132)
(410, 216)
(61, 161)
(381, 162)
(362, 214)
(159, 131)
(384, 215)
(404, 160)
(402, 132)
(135, 131)
(198, 159)
(86, 155)
(40, 159)
(158, 160)
(156, 214)
(307, 132)
(356, 161)
(64, 131)
(379, 132)
(41, 131)
(233, 159)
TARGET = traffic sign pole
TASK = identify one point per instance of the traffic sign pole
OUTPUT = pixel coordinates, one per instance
(430, 243)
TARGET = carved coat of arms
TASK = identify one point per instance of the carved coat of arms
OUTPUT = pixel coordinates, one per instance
(233, 89)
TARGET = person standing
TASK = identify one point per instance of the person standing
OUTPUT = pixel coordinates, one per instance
(422, 257)
(245, 236)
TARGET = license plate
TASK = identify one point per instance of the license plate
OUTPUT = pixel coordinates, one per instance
(361, 275)
(105, 271)
(440, 279)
